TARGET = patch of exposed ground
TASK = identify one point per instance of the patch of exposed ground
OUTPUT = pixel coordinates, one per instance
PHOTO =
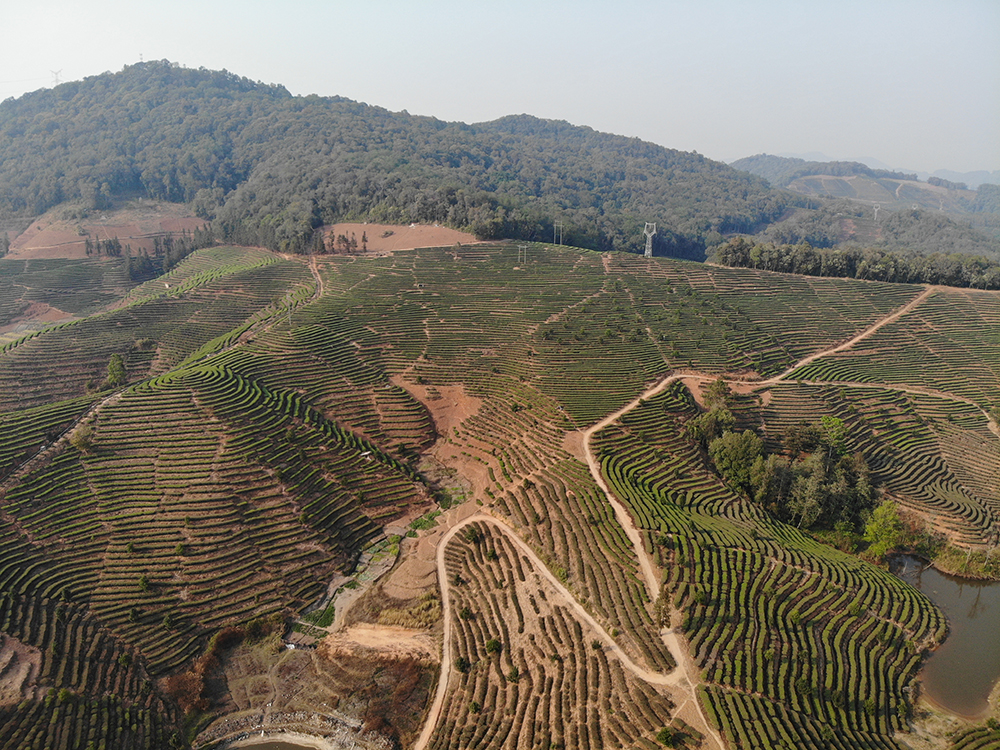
(365, 697)
(416, 572)
(295, 738)
(573, 443)
(931, 728)
(64, 231)
(35, 316)
(390, 237)
(382, 641)
(450, 406)
(20, 665)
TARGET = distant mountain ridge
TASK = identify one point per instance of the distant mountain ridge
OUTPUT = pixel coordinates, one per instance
(972, 212)
(782, 170)
(972, 179)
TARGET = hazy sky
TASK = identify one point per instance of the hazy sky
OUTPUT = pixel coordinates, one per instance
(912, 83)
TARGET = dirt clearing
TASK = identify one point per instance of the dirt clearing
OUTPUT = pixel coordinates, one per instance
(382, 641)
(388, 237)
(63, 232)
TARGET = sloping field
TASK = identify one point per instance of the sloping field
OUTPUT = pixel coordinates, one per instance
(782, 626)
(271, 416)
(948, 345)
(34, 292)
(62, 233)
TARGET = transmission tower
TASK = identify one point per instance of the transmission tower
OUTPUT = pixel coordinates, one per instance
(877, 208)
(649, 231)
(522, 254)
(557, 233)
(55, 76)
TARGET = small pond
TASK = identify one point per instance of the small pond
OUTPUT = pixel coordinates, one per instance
(961, 673)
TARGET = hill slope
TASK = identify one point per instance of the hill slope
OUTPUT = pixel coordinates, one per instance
(272, 167)
(165, 526)
(932, 216)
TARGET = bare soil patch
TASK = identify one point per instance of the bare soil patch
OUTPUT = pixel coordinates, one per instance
(573, 443)
(381, 641)
(449, 405)
(389, 237)
(63, 231)
(36, 312)
(20, 666)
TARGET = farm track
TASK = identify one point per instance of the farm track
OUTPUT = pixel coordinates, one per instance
(684, 676)
(622, 514)
(685, 673)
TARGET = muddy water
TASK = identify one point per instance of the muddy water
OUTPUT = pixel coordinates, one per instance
(961, 673)
(277, 746)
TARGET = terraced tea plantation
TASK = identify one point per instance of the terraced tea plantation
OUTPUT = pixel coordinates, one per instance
(214, 450)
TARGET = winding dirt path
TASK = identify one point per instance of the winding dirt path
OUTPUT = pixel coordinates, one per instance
(672, 640)
(685, 675)
(622, 514)
(890, 318)
(679, 677)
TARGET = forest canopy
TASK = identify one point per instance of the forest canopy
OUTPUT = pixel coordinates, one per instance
(270, 168)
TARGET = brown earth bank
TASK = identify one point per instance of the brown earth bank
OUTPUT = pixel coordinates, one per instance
(20, 668)
(63, 231)
(389, 237)
(36, 314)
(383, 641)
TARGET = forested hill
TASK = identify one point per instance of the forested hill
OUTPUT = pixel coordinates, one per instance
(271, 167)
(936, 216)
(782, 170)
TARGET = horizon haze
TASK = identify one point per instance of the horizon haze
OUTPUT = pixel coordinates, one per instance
(915, 85)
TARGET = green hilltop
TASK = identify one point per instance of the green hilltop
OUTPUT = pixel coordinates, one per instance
(270, 168)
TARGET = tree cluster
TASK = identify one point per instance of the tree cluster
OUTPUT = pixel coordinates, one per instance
(814, 482)
(940, 182)
(861, 263)
(168, 251)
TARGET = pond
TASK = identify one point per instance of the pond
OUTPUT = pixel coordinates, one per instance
(276, 745)
(960, 674)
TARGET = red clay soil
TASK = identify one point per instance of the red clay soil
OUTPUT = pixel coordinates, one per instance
(53, 235)
(36, 312)
(387, 237)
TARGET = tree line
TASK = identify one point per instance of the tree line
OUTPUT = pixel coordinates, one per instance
(872, 264)
(168, 251)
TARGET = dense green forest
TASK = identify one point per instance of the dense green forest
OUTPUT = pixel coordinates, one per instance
(950, 269)
(270, 168)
